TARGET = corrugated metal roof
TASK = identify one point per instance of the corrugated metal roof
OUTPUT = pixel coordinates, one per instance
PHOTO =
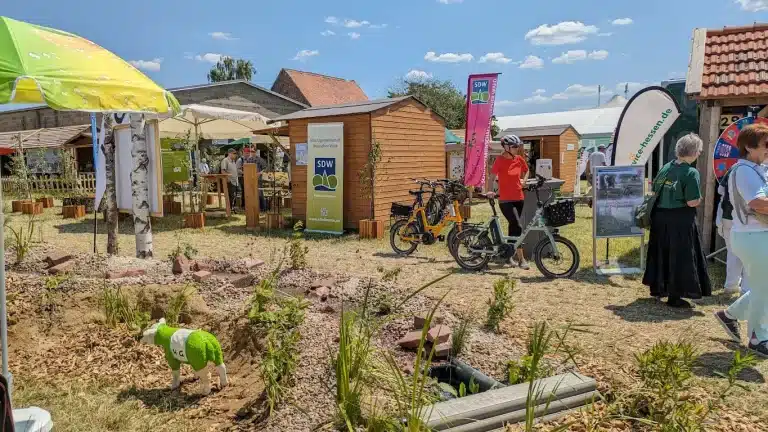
(555, 130)
(42, 138)
(342, 109)
(586, 122)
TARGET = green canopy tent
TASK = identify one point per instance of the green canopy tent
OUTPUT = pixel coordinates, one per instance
(451, 138)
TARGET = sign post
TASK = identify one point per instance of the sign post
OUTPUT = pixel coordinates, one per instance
(325, 178)
(616, 194)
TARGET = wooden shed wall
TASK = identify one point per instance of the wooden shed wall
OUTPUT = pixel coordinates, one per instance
(569, 160)
(357, 139)
(412, 140)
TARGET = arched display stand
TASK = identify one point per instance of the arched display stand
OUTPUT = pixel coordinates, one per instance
(726, 150)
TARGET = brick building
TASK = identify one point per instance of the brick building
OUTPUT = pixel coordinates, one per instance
(315, 89)
(239, 95)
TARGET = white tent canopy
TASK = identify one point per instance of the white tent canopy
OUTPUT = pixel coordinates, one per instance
(210, 122)
(586, 122)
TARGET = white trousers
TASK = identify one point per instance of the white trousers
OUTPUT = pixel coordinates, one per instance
(734, 269)
(752, 247)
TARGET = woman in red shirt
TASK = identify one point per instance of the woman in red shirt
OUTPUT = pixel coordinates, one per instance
(511, 170)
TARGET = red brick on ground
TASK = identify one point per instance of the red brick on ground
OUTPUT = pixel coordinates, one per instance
(119, 274)
(61, 268)
(201, 266)
(439, 334)
(241, 281)
(201, 276)
(252, 263)
(180, 265)
(420, 319)
(442, 350)
(411, 340)
(55, 259)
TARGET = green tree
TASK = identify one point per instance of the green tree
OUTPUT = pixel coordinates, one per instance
(229, 69)
(442, 97)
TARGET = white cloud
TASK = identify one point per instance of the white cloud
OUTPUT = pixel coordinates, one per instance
(305, 54)
(189, 56)
(355, 24)
(450, 1)
(353, 35)
(604, 34)
(753, 5)
(532, 62)
(622, 21)
(495, 57)
(150, 65)
(448, 57)
(539, 91)
(503, 103)
(209, 57)
(580, 91)
(536, 99)
(328, 33)
(415, 75)
(573, 56)
(567, 32)
(378, 26)
(332, 20)
(570, 57)
(222, 36)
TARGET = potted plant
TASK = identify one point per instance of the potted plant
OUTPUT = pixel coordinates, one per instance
(371, 228)
(196, 217)
(170, 205)
(74, 199)
(20, 174)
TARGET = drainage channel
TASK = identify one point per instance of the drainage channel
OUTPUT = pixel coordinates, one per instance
(497, 405)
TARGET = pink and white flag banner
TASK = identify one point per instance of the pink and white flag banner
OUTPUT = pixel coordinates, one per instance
(481, 95)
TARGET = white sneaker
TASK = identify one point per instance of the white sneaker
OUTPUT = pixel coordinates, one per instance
(523, 264)
(733, 290)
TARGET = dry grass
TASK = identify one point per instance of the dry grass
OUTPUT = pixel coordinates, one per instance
(626, 321)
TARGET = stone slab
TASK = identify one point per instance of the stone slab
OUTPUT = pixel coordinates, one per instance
(439, 334)
(55, 259)
(201, 275)
(61, 268)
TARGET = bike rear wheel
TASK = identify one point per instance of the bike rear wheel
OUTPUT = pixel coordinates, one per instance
(467, 259)
(451, 239)
(399, 230)
(560, 261)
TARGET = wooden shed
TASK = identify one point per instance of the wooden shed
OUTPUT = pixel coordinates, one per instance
(412, 142)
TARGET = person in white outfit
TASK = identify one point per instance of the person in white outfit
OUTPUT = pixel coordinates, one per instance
(734, 270)
(748, 190)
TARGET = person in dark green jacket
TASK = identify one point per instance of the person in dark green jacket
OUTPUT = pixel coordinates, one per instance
(676, 266)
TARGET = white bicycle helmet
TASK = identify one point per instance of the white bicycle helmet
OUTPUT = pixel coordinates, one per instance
(511, 140)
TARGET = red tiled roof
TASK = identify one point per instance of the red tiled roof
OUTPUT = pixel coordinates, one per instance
(326, 90)
(736, 62)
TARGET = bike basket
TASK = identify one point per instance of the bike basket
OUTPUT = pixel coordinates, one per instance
(560, 213)
(400, 210)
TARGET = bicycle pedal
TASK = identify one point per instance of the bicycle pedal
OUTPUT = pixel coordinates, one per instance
(441, 238)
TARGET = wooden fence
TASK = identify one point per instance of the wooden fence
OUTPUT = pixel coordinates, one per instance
(85, 183)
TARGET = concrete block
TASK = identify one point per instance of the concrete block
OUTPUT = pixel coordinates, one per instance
(439, 334)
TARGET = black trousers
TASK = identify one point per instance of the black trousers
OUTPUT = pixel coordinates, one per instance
(508, 210)
(232, 192)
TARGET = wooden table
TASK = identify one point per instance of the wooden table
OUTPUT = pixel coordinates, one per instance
(222, 185)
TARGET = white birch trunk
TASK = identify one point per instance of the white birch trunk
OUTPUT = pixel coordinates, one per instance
(140, 187)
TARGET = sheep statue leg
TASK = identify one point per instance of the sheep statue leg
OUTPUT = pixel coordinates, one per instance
(176, 381)
(222, 370)
(205, 382)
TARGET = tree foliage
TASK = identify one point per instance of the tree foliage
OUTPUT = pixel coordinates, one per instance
(229, 69)
(443, 97)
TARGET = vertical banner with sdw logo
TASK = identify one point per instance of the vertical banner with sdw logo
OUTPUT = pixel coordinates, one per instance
(325, 178)
(481, 94)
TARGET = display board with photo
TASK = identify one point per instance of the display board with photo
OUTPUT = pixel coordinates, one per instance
(617, 193)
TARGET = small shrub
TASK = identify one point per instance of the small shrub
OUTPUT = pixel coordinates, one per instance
(297, 250)
(352, 365)
(185, 250)
(501, 303)
(21, 239)
(460, 337)
(118, 309)
(178, 304)
(278, 365)
(391, 275)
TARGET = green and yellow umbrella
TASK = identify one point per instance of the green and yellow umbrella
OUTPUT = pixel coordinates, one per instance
(67, 72)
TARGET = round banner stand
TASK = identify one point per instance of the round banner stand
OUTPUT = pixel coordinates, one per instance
(726, 150)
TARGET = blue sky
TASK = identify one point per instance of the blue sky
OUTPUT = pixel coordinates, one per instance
(552, 53)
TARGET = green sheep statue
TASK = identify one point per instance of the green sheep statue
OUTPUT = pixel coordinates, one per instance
(193, 347)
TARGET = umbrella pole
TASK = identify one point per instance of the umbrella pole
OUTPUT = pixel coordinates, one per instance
(3, 308)
(95, 165)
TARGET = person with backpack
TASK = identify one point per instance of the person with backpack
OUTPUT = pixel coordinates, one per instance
(748, 192)
(735, 281)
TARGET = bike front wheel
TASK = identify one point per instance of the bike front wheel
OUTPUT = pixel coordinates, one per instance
(451, 239)
(399, 230)
(467, 239)
(560, 260)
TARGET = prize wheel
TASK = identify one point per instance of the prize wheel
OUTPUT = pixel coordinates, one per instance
(726, 150)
